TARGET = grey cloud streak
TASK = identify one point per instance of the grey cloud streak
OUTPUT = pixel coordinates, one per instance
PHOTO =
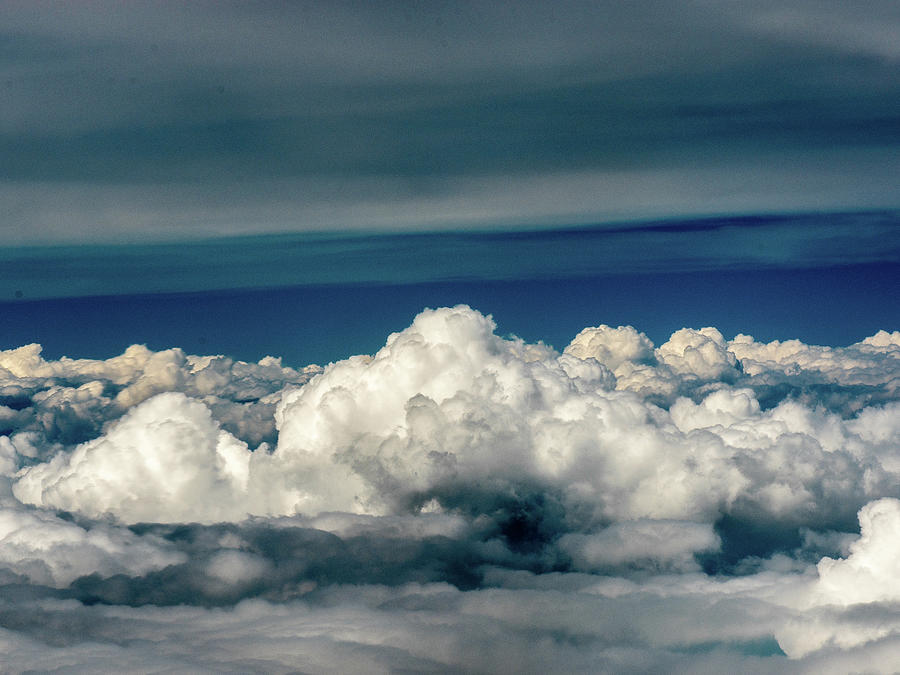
(796, 241)
(456, 502)
(340, 115)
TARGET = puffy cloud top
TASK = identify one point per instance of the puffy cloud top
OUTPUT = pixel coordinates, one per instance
(447, 403)
(612, 346)
(165, 460)
(869, 574)
(457, 479)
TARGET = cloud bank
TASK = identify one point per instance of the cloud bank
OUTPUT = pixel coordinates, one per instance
(456, 501)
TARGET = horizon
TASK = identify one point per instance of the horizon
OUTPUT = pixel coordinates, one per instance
(657, 276)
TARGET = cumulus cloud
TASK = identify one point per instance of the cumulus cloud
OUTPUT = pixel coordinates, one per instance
(874, 360)
(44, 549)
(460, 479)
(449, 414)
(868, 573)
(663, 543)
(612, 346)
(165, 460)
(69, 401)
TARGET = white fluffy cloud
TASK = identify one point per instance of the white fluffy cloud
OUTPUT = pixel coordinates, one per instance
(870, 572)
(47, 550)
(618, 481)
(165, 460)
(448, 403)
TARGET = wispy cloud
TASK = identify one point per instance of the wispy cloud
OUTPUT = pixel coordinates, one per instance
(224, 119)
(713, 244)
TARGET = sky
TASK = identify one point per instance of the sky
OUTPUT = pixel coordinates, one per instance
(450, 337)
(139, 122)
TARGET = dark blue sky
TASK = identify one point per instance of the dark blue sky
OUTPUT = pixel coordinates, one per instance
(317, 324)
(823, 278)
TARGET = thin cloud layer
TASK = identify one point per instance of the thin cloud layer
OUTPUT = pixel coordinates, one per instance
(159, 121)
(550, 511)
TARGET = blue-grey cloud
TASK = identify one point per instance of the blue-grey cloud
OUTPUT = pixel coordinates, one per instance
(698, 245)
(214, 119)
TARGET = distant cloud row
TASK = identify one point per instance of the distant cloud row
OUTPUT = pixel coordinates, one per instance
(764, 240)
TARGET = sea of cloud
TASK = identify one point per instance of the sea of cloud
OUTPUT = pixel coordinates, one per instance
(457, 502)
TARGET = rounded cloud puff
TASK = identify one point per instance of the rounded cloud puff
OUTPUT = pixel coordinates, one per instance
(447, 402)
(853, 600)
(50, 551)
(871, 571)
(699, 353)
(166, 460)
(612, 346)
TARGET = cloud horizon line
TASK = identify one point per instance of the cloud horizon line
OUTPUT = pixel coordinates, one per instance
(282, 260)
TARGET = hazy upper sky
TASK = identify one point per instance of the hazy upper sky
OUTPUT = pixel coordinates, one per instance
(129, 121)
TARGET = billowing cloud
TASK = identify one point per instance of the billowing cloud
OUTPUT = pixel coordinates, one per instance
(64, 402)
(575, 506)
(447, 404)
(166, 460)
(867, 574)
(45, 549)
